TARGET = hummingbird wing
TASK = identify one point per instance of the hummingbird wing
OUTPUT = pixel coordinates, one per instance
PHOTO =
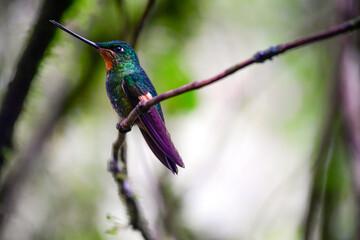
(137, 87)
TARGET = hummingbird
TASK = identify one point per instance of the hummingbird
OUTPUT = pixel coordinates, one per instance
(126, 85)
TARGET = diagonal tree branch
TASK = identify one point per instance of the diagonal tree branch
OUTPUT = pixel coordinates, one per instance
(124, 19)
(350, 100)
(321, 160)
(14, 98)
(259, 57)
(119, 170)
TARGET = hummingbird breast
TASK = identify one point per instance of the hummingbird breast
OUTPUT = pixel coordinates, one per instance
(117, 95)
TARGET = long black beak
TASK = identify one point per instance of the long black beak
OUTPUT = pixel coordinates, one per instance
(75, 35)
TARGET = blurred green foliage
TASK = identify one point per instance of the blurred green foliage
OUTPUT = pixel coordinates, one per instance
(85, 78)
(167, 70)
(170, 73)
(172, 24)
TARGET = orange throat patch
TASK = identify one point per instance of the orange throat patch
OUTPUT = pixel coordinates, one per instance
(108, 57)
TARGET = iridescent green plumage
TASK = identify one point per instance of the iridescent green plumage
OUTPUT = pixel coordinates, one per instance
(126, 71)
(127, 84)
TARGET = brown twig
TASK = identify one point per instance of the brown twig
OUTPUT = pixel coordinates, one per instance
(259, 57)
(124, 19)
(118, 168)
(318, 181)
(350, 105)
(170, 216)
(141, 22)
(350, 100)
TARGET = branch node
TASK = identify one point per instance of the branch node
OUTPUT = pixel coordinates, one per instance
(267, 54)
(143, 107)
(121, 128)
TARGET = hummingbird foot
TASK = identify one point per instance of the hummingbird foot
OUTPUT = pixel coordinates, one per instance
(121, 128)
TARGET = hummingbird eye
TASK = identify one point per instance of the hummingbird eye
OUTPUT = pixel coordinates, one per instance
(118, 49)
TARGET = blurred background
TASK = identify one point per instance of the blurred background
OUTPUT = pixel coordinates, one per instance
(269, 151)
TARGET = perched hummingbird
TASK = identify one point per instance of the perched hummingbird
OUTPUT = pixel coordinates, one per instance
(127, 84)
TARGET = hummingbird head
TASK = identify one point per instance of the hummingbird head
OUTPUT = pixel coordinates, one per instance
(116, 54)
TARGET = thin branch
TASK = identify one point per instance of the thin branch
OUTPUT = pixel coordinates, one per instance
(259, 57)
(350, 99)
(170, 216)
(13, 101)
(141, 22)
(318, 183)
(118, 165)
(119, 171)
(124, 19)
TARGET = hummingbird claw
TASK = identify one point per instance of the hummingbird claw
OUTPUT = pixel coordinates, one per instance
(122, 129)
